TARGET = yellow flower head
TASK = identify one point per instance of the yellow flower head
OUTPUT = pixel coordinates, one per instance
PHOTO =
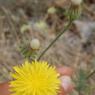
(36, 78)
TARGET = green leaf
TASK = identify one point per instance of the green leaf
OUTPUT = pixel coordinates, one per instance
(81, 80)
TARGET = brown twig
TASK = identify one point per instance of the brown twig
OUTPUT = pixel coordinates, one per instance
(90, 75)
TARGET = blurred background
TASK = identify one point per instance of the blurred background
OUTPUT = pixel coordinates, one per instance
(27, 19)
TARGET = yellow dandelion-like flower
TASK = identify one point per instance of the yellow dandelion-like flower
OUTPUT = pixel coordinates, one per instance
(36, 78)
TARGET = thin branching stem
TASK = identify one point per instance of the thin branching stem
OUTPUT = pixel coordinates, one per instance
(58, 36)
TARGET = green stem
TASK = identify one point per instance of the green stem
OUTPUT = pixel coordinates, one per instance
(58, 36)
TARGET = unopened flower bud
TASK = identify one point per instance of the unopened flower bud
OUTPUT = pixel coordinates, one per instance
(41, 25)
(35, 44)
(25, 28)
(52, 10)
(76, 2)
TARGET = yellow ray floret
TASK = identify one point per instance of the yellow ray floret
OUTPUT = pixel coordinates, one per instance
(36, 78)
